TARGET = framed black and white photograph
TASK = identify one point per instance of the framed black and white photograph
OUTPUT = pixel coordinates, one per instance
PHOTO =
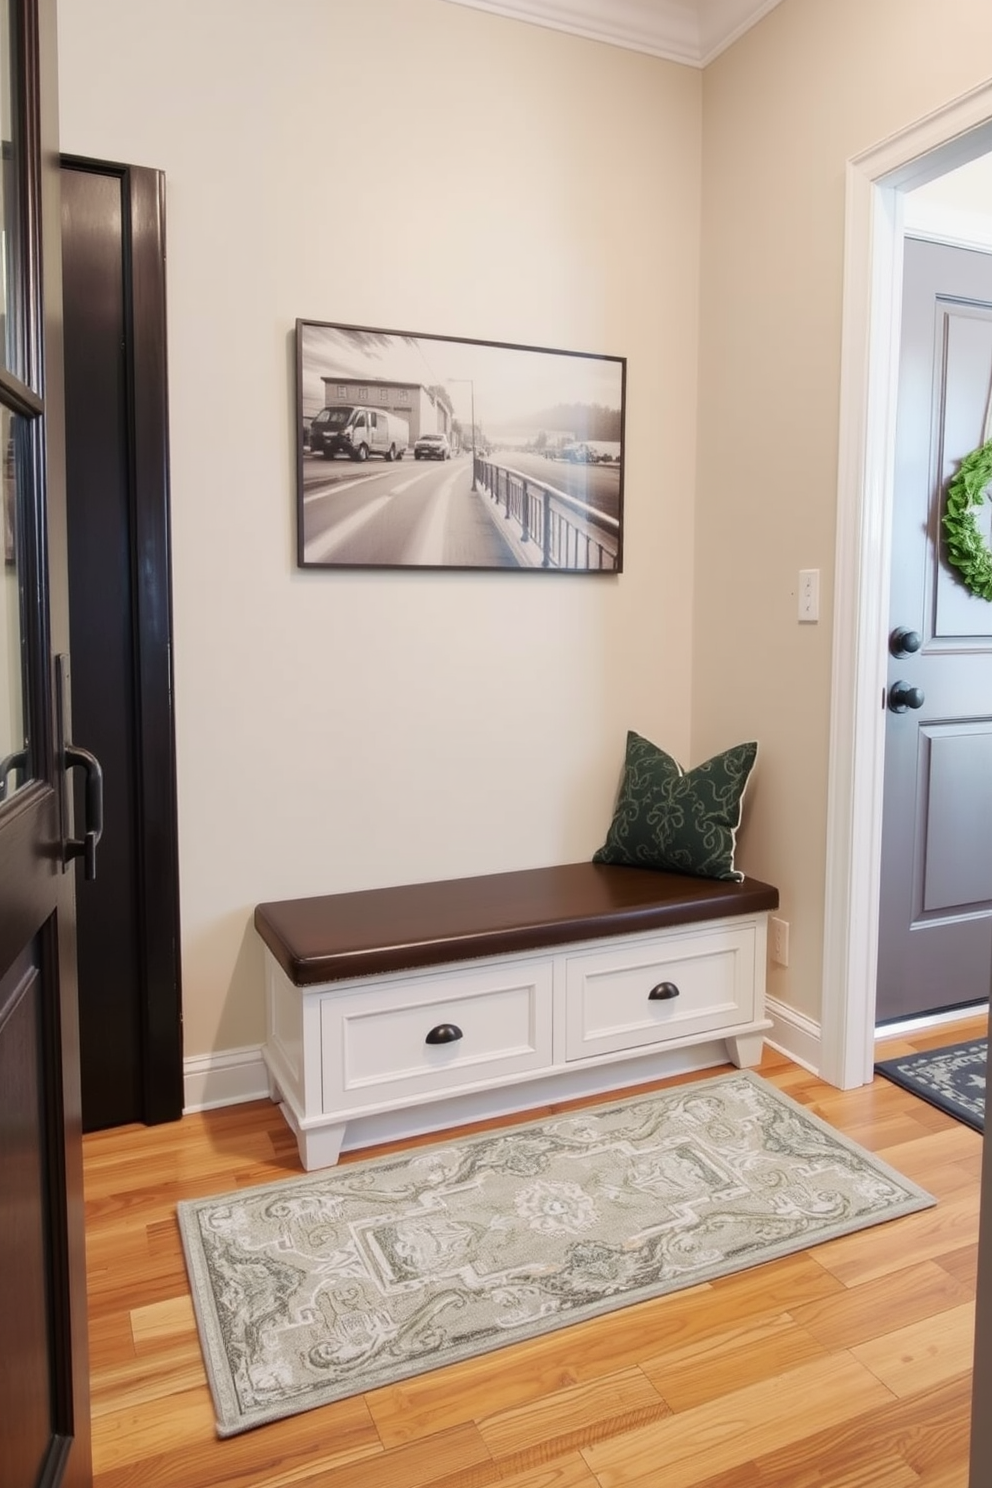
(421, 451)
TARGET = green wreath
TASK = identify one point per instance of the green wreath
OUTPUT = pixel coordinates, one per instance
(967, 549)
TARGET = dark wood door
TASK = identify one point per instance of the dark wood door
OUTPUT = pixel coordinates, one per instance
(113, 263)
(44, 1406)
(935, 928)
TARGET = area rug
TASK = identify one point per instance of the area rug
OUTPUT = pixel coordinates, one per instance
(358, 1276)
(952, 1078)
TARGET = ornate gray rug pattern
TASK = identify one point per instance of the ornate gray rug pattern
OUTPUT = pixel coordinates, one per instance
(952, 1078)
(332, 1284)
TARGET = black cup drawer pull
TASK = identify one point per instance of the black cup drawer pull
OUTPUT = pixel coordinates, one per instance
(664, 992)
(444, 1033)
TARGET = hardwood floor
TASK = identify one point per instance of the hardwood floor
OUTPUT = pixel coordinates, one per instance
(846, 1366)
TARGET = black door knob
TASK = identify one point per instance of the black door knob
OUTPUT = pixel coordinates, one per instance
(902, 696)
(903, 642)
(664, 992)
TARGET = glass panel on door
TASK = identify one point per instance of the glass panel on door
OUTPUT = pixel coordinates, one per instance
(10, 357)
(14, 765)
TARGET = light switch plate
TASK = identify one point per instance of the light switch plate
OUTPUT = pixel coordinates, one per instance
(809, 596)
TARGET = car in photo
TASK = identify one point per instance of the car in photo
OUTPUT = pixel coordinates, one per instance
(432, 447)
(579, 454)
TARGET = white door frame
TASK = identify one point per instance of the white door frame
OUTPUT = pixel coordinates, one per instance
(876, 181)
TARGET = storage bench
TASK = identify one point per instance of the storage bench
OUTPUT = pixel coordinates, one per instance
(401, 1010)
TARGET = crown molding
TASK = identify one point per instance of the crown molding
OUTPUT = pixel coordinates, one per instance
(722, 22)
(690, 31)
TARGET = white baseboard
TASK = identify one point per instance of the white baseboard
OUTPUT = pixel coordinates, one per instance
(799, 1037)
(225, 1079)
(794, 1035)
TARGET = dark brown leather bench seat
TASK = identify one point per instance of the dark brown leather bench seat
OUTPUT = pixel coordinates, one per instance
(333, 937)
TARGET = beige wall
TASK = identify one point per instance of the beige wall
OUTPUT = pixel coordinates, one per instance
(339, 731)
(814, 83)
(345, 730)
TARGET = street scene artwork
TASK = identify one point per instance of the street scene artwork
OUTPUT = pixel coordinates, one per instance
(420, 451)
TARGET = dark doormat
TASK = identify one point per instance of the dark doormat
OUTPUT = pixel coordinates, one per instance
(952, 1078)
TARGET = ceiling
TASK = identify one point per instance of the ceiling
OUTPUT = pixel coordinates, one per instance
(689, 31)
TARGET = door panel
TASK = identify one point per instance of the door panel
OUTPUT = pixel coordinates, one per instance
(113, 247)
(44, 1403)
(958, 860)
(963, 397)
(102, 623)
(25, 1296)
(935, 910)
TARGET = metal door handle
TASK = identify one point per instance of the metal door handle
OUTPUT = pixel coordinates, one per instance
(903, 696)
(664, 992)
(85, 846)
(9, 766)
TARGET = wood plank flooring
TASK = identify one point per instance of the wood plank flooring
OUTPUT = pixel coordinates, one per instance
(846, 1366)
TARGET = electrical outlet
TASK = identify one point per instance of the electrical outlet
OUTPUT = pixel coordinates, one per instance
(779, 933)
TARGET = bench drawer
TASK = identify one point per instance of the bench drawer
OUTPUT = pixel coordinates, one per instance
(374, 1045)
(706, 982)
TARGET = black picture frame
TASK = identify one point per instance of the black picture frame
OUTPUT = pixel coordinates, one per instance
(423, 451)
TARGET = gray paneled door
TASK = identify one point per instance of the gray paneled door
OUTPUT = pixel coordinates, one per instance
(935, 930)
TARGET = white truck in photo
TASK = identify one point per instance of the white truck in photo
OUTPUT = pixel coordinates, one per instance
(359, 432)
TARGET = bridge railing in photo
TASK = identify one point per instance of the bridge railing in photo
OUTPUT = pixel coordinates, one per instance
(560, 530)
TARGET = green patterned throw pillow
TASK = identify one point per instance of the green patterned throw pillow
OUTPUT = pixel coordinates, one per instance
(676, 820)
